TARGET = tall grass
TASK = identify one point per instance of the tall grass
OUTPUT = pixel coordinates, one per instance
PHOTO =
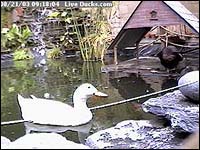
(94, 42)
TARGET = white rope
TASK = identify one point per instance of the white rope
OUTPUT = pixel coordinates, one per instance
(113, 104)
(140, 97)
(194, 36)
(14, 122)
(185, 46)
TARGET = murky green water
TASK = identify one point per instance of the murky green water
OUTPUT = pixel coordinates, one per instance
(60, 78)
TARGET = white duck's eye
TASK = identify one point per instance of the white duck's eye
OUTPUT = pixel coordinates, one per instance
(88, 87)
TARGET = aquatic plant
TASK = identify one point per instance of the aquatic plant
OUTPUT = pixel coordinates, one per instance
(95, 40)
(54, 53)
(91, 71)
(15, 37)
(67, 40)
(86, 30)
(21, 54)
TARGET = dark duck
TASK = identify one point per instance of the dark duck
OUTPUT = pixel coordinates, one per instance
(170, 57)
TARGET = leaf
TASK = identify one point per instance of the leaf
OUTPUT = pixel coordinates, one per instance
(21, 54)
(19, 40)
(54, 14)
(26, 33)
(14, 29)
(62, 38)
(10, 36)
(68, 20)
(64, 14)
(11, 89)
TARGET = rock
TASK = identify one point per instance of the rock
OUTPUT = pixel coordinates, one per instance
(133, 134)
(4, 142)
(183, 115)
(191, 91)
(44, 141)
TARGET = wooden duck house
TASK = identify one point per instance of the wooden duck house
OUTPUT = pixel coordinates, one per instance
(149, 14)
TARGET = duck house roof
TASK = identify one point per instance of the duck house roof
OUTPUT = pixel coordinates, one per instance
(149, 14)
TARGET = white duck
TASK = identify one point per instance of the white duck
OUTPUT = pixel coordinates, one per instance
(44, 111)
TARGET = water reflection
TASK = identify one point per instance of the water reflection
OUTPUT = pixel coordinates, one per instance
(60, 81)
(131, 86)
(170, 82)
(82, 130)
(134, 85)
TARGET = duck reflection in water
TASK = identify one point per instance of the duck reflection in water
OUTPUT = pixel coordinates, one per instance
(82, 130)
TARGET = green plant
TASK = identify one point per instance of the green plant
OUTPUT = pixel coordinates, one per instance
(54, 53)
(16, 37)
(69, 39)
(94, 42)
(98, 41)
(21, 54)
(90, 35)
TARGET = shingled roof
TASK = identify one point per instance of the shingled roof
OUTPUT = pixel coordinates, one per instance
(191, 20)
(141, 21)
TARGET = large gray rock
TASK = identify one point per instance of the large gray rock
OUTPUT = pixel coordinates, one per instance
(191, 91)
(183, 115)
(41, 141)
(133, 134)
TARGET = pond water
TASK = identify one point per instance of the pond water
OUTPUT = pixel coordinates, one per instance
(59, 78)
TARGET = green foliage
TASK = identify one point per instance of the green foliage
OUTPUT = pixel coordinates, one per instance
(24, 65)
(54, 15)
(54, 53)
(86, 30)
(68, 40)
(96, 38)
(21, 54)
(97, 41)
(91, 71)
(16, 37)
(11, 89)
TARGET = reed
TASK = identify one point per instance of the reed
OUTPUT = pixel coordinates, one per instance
(95, 40)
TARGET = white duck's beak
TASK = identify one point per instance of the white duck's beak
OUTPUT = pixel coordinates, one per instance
(100, 94)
